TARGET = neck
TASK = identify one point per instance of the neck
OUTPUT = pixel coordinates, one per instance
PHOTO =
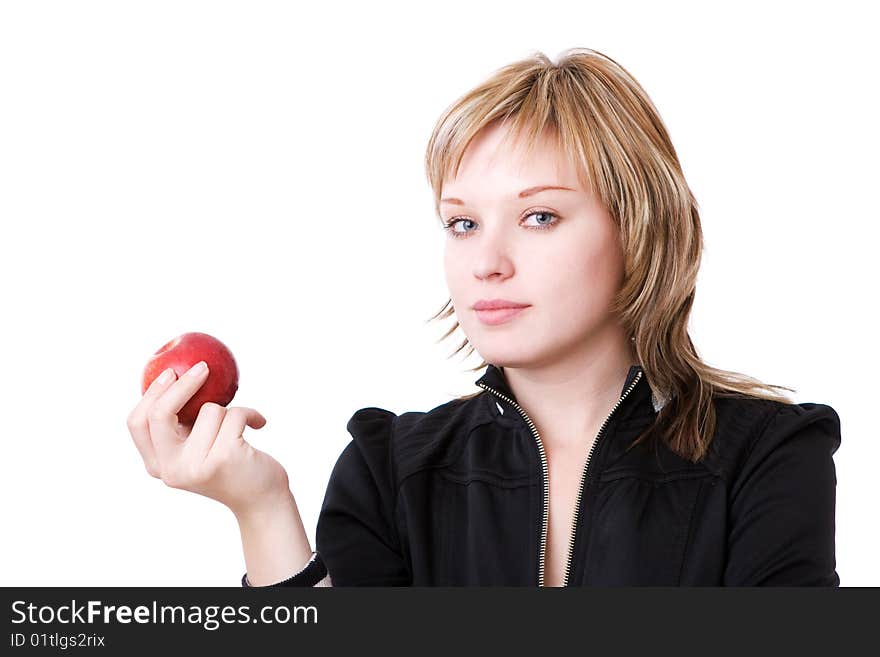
(570, 397)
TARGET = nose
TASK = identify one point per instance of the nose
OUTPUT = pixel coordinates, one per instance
(492, 257)
(491, 263)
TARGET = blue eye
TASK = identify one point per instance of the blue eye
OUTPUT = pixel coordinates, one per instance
(538, 214)
(449, 226)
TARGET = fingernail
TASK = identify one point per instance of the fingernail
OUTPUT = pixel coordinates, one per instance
(198, 368)
(165, 376)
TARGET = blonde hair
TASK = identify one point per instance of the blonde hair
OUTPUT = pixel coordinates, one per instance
(602, 119)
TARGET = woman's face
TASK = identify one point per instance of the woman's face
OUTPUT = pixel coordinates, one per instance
(567, 267)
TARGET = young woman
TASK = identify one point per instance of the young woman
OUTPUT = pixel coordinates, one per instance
(600, 449)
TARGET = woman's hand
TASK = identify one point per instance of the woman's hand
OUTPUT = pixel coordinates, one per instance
(211, 458)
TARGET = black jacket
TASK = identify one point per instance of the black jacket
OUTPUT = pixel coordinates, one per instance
(458, 496)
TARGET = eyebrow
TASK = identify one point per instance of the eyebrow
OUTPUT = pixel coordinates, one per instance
(523, 194)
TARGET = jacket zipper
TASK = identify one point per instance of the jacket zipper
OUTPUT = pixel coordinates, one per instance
(546, 471)
(577, 504)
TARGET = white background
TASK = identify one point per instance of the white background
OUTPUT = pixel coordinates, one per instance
(254, 170)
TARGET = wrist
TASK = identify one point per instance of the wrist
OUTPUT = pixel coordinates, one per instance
(262, 510)
(273, 539)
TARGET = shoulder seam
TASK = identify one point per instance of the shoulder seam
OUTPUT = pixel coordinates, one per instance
(445, 463)
(758, 435)
(396, 485)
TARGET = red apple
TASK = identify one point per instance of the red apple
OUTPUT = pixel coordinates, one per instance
(183, 352)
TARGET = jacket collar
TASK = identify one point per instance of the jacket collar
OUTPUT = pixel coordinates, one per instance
(640, 401)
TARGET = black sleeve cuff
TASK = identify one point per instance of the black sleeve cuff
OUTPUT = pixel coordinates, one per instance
(314, 572)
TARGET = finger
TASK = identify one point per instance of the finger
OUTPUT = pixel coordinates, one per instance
(162, 417)
(204, 431)
(138, 425)
(156, 388)
(232, 429)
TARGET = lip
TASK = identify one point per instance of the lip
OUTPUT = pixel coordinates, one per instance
(498, 316)
(497, 304)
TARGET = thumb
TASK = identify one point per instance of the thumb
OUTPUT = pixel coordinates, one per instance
(255, 419)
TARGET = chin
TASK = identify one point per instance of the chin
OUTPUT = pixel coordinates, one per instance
(522, 354)
(512, 358)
